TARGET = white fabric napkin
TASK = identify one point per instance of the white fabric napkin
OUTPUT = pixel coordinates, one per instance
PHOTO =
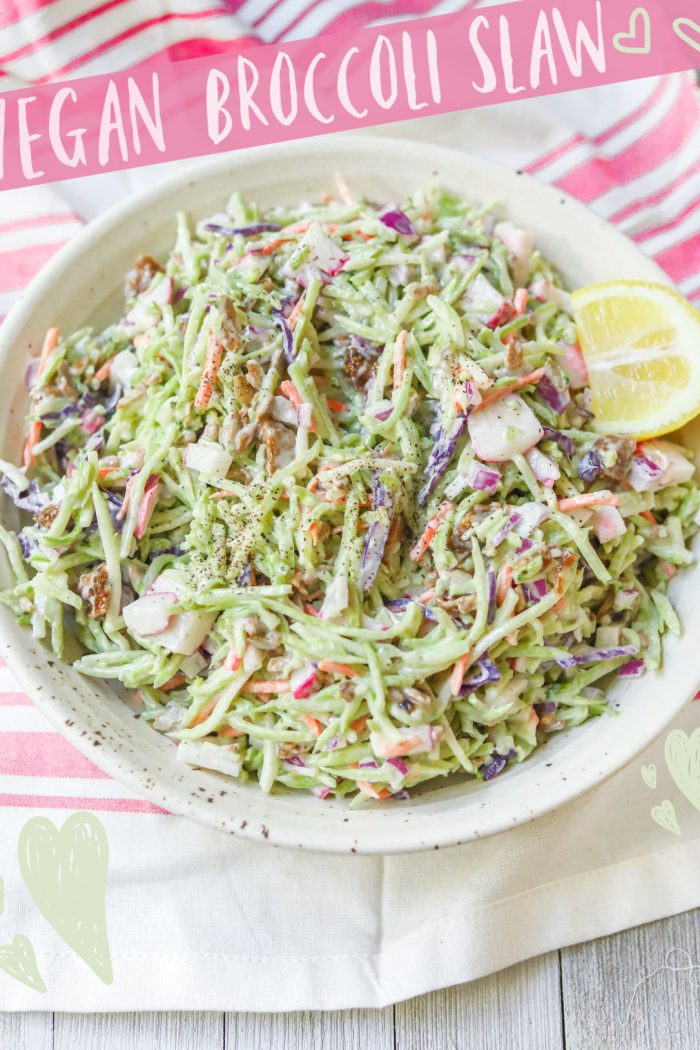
(197, 920)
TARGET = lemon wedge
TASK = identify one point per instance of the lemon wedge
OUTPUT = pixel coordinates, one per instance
(641, 345)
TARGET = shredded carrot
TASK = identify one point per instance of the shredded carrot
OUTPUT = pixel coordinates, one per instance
(505, 579)
(49, 345)
(649, 516)
(426, 596)
(295, 311)
(431, 528)
(315, 531)
(520, 301)
(203, 714)
(369, 789)
(291, 393)
(457, 676)
(402, 747)
(279, 686)
(297, 227)
(215, 355)
(103, 472)
(588, 499)
(313, 724)
(310, 609)
(336, 406)
(173, 683)
(357, 233)
(102, 373)
(504, 391)
(333, 667)
(274, 245)
(230, 731)
(360, 724)
(33, 438)
(400, 358)
(233, 660)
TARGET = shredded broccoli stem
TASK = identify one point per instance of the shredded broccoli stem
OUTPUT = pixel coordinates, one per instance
(273, 446)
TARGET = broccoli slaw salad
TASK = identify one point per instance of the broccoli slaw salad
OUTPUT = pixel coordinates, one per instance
(330, 500)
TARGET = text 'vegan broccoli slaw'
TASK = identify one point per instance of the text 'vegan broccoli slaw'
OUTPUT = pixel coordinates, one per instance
(330, 498)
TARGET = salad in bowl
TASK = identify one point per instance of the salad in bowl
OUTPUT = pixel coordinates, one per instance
(333, 500)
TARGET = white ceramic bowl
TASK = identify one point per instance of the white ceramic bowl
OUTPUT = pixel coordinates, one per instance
(83, 283)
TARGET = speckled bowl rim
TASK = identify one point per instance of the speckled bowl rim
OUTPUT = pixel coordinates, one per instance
(103, 728)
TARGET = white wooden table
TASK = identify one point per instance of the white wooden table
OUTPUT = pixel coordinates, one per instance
(591, 997)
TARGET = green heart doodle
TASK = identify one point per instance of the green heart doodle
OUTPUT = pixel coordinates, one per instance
(630, 43)
(665, 817)
(649, 775)
(682, 754)
(680, 27)
(66, 874)
(18, 960)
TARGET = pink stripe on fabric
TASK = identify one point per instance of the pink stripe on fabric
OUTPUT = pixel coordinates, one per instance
(655, 198)
(636, 114)
(604, 136)
(15, 10)
(681, 260)
(555, 154)
(14, 700)
(127, 34)
(198, 48)
(363, 14)
(31, 221)
(18, 267)
(267, 12)
(600, 174)
(2, 662)
(67, 27)
(108, 805)
(645, 235)
(44, 755)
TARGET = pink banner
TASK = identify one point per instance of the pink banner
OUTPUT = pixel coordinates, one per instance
(337, 82)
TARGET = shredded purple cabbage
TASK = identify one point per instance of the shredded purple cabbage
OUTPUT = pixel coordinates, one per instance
(493, 767)
(565, 443)
(114, 506)
(505, 530)
(27, 544)
(396, 605)
(592, 656)
(590, 466)
(399, 221)
(632, 669)
(440, 455)
(554, 389)
(375, 540)
(535, 591)
(484, 674)
(491, 587)
(86, 403)
(30, 498)
(287, 334)
(245, 231)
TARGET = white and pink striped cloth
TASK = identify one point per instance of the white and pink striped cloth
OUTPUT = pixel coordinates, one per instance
(632, 152)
